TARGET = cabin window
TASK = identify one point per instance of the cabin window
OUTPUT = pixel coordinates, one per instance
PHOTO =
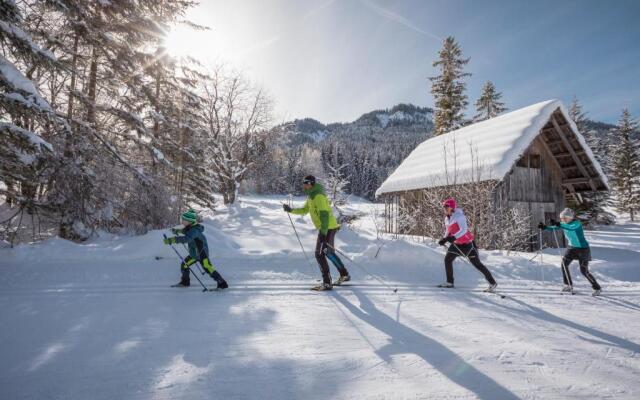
(530, 161)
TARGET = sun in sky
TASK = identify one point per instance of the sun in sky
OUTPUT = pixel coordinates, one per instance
(183, 41)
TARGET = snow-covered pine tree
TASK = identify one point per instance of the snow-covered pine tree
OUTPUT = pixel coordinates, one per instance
(101, 104)
(489, 104)
(27, 119)
(112, 46)
(448, 87)
(593, 205)
(626, 166)
(578, 116)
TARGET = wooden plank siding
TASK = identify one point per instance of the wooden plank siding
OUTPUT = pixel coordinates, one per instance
(536, 188)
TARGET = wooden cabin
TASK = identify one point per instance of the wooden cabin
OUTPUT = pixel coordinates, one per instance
(533, 159)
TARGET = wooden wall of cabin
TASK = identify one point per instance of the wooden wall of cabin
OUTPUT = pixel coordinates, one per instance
(420, 212)
(535, 186)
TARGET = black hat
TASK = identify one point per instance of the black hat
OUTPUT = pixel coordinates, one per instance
(309, 180)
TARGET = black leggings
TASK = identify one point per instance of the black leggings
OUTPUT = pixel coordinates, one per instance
(465, 250)
(583, 256)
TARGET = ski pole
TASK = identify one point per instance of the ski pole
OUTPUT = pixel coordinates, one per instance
(187, 250)
(204, 288)
(395, 290)
(540, 250)
(198, 263)
(462, 253)
(300, 242)
(564, 267)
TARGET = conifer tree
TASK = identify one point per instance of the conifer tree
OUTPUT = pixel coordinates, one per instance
(593, 204)
(578, 116)
(489, 104)
(626, 166)
(448, 88)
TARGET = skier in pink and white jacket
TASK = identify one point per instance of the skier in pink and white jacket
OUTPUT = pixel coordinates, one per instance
(462, 244)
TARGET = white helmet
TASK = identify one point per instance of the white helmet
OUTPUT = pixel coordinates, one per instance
(567, 213)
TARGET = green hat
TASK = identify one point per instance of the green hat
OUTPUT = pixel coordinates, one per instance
(190, 216)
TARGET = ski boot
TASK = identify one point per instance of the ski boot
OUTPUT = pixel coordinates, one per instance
(596, 292)
(182, 284)
(322, 287)
(342, 279)
(492, 287)
(446, 285)
(222, 284)
(568, 289)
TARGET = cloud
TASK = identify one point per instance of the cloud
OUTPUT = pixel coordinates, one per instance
(283, 32)
(390, 15)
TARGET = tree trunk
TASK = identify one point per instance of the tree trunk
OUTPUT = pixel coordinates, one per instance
(93, 81)
(72, 86)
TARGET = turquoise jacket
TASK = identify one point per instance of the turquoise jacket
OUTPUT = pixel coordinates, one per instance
(573, 232)
(193, 236)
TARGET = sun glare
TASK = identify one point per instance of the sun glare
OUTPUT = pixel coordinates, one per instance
(184, 41)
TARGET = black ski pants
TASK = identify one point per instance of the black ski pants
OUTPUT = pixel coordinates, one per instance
(583, 256)
(206, 264)
(470, 251)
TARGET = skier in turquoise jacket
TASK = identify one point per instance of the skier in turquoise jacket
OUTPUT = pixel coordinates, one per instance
(578, 249)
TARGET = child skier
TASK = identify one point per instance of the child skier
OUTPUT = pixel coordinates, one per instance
(322, 216)
(198, 249)
(462, 244)
(578, 249)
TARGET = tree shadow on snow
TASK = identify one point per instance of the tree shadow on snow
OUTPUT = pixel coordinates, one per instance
(405, 340)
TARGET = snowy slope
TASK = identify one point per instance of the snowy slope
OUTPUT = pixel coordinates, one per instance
(98, 321)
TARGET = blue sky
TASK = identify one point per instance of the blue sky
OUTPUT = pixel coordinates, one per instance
(335, 59)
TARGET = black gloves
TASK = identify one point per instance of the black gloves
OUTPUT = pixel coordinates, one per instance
(444, 240)
(287, 208)
(541, 226)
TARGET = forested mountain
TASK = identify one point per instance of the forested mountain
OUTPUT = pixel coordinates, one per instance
(362, 153)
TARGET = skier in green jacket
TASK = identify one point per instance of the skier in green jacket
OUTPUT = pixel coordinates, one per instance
(317, 205)
(578, 249)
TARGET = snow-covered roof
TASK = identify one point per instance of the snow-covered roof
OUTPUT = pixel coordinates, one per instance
(479, 152)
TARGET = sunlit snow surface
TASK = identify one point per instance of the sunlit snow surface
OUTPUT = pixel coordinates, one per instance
(98, 321)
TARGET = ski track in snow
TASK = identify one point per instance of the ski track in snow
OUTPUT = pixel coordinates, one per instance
(98, 321)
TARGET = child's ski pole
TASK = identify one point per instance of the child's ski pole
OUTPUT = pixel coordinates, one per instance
(204, 288)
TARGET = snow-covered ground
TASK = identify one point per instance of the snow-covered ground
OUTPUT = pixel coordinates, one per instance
(98, 320)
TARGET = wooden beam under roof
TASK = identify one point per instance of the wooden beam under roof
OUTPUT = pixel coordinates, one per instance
(568, 154)
(568, 186)
(575, 157)
(546, 147)
(576, 181)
